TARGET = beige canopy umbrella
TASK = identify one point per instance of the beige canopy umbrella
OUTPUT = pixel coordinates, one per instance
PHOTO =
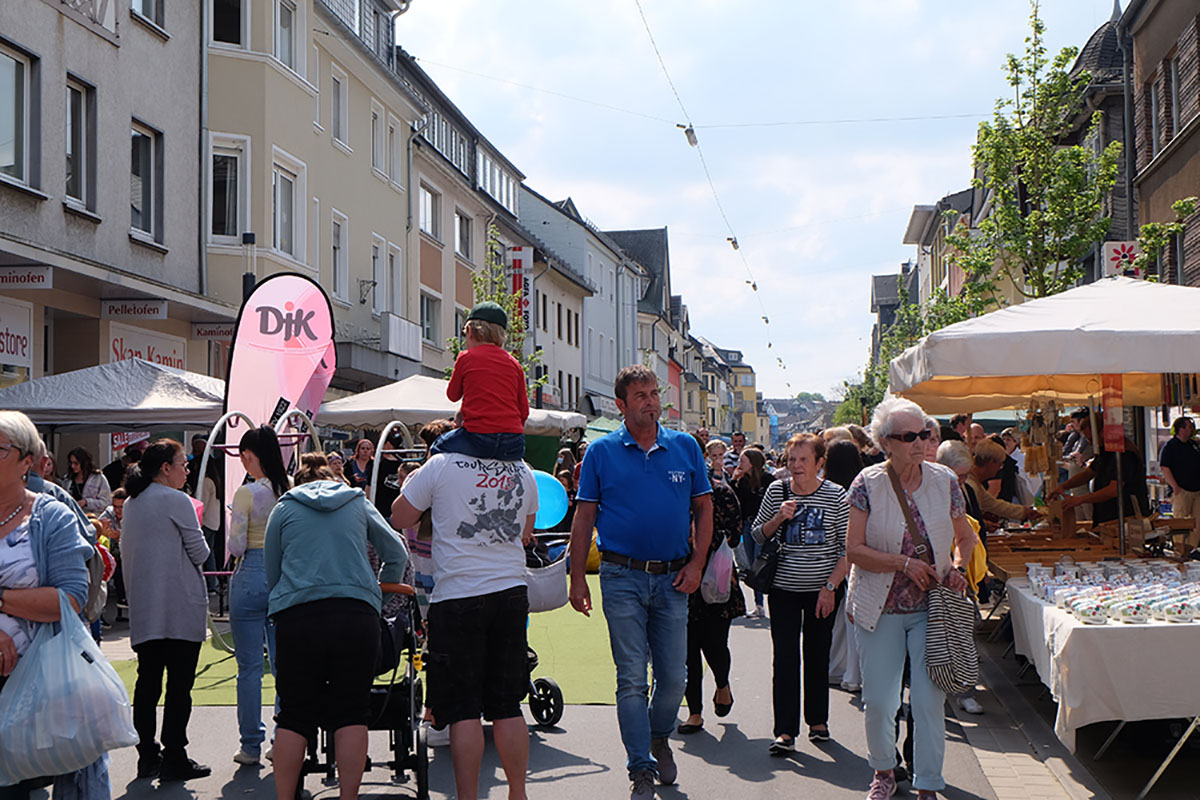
(1057, 348)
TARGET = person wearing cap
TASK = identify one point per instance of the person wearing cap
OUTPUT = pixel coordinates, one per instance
(491, 385)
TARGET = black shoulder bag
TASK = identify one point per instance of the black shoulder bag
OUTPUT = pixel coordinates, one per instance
(761, 576)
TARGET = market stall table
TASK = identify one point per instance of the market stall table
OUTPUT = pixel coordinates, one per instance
(1097, 673)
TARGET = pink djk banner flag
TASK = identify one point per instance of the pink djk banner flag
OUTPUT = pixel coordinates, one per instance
(282, 357)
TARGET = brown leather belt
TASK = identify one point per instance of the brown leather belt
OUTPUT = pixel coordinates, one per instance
(652, 567)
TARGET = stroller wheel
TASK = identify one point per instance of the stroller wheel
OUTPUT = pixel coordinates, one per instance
(421, 767)
(546, 702)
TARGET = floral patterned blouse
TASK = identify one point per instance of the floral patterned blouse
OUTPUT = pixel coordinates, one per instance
(727, 525)
(906, 597)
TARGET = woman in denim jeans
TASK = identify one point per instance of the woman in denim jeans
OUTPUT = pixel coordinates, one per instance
(248, 593)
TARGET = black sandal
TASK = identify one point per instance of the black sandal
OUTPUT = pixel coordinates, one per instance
(723, 709)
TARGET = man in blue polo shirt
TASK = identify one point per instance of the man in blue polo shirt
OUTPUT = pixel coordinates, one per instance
(641, 486)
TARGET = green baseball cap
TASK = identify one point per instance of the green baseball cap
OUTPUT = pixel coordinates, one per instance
(488, 311)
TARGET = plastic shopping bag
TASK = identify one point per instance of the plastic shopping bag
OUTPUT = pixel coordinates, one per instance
(714, 586)
(63, 706)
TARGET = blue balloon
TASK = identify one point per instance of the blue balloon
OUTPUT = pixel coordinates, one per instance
(552, 501)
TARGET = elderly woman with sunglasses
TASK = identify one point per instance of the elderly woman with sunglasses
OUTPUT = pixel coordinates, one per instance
(892, 570)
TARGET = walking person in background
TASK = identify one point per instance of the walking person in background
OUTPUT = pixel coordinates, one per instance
(808, 514)
(86, 482)
(843, 462)
(582, 448)
(737, 443)
(337, 465)
(708, 623)
(248, 592)
(210, 520)
(320, 580)
(163, 547)
(1180, 463)
(358, 471)
(750, 481)
(643, 488)
(110, 522)
(893, 570)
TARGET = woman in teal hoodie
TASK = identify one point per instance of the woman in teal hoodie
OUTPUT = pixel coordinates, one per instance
(325, 602)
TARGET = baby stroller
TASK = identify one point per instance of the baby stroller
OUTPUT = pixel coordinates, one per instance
(396, 706)
(546, 577)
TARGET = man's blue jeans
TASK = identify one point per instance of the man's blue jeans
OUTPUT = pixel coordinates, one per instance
(251, 630)
(647, 626)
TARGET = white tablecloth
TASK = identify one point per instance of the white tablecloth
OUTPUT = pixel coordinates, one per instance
(1116, 671)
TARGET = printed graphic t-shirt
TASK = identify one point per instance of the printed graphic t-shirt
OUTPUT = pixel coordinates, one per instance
(479, 510)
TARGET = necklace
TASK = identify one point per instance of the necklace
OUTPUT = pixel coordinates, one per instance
(9, 518)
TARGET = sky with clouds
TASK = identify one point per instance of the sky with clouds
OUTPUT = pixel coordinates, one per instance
(574, 95)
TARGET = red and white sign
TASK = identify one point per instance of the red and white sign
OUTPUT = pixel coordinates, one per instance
(26, 278)
(133, 309)
(213, 331)
(126, 341)
(1112, 394)
(1118, 258)
(16, 333)
(522, 266)
(122, 439)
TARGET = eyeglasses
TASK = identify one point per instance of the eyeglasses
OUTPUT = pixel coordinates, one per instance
(911, 436)
(5, 448)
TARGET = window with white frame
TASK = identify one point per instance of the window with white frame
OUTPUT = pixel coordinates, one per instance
(338, 105)
(284, 210)
(81, 141)
(462, 234)
(395, 280)
(1155, 126)
(1174, 77)
(149, 9)
(379, 276)
(14, 114)
(377, 138)
(228, 188)
(316, 82)
(144, 184)
(339, 257)
(460, 320)
(228, 20)
(430, 207)
(285, 32)
(393, 149)
(430, 309)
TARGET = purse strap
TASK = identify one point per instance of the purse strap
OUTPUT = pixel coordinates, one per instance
(920, 542)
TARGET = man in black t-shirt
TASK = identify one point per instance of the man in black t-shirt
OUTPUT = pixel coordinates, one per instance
(1180, 463)
(1102, 472)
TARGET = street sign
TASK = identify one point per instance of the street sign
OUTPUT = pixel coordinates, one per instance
(133, 309)
(26, 277)
(16, 333)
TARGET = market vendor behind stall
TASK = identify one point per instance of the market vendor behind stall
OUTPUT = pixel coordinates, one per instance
(1102, 472)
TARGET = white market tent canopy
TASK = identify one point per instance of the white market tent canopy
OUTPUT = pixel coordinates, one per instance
(420, 399)
(122, 395)
(1056, 347)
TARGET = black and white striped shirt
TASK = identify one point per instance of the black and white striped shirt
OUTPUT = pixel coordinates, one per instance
(813, 540)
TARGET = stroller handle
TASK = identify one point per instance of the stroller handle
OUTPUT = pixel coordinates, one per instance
(397, 588)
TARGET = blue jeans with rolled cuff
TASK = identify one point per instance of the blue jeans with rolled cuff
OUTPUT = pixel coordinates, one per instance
(251, 630)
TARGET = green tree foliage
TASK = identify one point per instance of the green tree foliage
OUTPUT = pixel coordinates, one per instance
(1155, 236)
(810, 397)
(1047, 198)
(492, 282)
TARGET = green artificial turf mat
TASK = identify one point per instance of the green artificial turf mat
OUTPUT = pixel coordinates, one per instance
(572, 649)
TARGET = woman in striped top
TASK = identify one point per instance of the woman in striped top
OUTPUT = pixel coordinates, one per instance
(809, 515)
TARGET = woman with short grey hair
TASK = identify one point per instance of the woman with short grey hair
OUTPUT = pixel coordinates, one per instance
(894, 565)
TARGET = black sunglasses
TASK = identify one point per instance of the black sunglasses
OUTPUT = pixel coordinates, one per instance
(911, 436)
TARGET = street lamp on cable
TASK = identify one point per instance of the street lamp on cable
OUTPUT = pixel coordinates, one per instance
(690, 133)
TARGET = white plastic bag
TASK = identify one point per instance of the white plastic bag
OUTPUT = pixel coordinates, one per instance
(63, 706)
(714, 586)
(547, 586)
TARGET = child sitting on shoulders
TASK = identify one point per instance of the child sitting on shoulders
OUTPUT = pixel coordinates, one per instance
(491, 385)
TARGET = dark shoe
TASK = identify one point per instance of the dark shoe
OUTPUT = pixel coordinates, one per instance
(687, 730)
(815, 735)
(182, 771)
(660, 751)
(782, 746)
(148, 766)
(900, 774)
(722, 709)
(643, 785)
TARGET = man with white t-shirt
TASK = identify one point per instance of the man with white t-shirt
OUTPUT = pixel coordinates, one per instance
(483, 511)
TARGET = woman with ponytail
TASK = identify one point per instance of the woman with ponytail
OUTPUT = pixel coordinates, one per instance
(162, 548)
(252, 504)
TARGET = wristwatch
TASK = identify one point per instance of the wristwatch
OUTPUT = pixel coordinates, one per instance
(829, 585)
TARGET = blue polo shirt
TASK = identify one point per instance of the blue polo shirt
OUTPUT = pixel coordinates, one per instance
(644, 497)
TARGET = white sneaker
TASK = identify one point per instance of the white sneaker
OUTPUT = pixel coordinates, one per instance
(242, 757)
(434, 737)
(270, 754)
(970, 705)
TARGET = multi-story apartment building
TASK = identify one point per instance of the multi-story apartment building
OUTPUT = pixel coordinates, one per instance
(1165, 84)
(716, 381)
(609, 322)
(928, 227)
(556, 292)
(101, 249)
(743, 391)
(307, 138)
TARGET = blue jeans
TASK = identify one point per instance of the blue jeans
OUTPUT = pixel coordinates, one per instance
(647, 626)
(882, 653)
(501, 446)
(250, 627)
(751, 548)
